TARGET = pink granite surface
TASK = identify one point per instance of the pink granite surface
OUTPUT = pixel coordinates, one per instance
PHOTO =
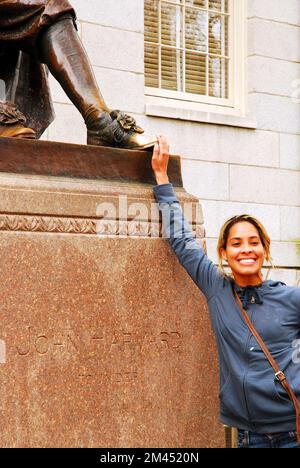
(104, 341)
(108, 344)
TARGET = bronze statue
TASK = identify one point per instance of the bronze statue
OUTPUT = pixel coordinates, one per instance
(42, 34)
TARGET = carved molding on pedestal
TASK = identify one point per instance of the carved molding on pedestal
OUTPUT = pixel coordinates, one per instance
(121, 201)
(67, 225)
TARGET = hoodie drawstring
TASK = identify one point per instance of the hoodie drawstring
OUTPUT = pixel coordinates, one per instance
(248, 295)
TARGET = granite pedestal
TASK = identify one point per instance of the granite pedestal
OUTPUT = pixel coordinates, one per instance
(104, 341)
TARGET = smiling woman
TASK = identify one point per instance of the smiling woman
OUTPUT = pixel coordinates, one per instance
(254, 396)
(245, 244)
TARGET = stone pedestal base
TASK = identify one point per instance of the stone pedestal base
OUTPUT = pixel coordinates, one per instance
(105, 341)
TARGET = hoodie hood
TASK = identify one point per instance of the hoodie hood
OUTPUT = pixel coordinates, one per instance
(254, 294)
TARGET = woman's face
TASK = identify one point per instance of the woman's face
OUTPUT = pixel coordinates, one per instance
(244, 253)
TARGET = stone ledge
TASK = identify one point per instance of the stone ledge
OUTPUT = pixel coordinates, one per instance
(81, 161)
(62, 188)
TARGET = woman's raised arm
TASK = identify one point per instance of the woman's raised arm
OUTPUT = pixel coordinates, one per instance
(177, 230)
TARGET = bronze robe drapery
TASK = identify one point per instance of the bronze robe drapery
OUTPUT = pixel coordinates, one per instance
(24, 76)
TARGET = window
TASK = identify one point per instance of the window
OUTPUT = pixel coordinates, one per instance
(195, 55)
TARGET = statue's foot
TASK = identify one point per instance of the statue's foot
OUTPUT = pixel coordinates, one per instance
(17, 131)
(119, 130)
(13, 122)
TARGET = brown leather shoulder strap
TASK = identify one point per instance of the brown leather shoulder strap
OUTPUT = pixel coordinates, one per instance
(279, 375)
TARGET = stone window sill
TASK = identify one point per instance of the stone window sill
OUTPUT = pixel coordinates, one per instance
(172, 109)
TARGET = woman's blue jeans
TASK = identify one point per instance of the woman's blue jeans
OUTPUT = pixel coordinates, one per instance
(247, 439)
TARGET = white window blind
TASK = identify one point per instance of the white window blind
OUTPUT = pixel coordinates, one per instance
(187, 46)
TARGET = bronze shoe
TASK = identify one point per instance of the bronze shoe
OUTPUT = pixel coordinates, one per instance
(119, 130)
(12, 122)
(17, 131)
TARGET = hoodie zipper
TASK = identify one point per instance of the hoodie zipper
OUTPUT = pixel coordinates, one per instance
(247, 370)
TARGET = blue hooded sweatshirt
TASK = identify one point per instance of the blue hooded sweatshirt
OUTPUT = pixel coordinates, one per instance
(251, 398)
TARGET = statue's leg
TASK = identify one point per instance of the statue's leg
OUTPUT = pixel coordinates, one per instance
(12, 121)
(62, 51)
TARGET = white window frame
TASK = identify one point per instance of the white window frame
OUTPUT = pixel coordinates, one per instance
(231, 111)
